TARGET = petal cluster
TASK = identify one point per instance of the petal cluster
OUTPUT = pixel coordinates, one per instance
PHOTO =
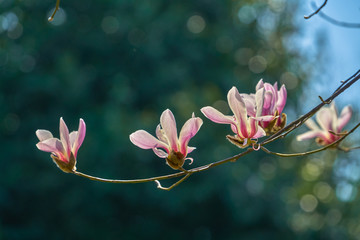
(167, 144)
(329, 127)
(247, 110)
(274, 103)
(64, 150)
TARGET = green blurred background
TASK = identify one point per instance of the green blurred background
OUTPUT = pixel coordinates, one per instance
(118, 64)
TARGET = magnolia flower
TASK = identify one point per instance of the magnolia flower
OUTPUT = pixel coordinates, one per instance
(247, 113)
(274, 103)
(63, 150)
(167, 144)
(330, 124)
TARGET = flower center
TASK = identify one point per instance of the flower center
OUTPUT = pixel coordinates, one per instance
(175, 160)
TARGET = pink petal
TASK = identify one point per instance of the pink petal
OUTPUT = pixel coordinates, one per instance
(64, 137)
(250, 103)
(190, 149)
(259, 85)
(325, 117)
(253, 127)
(344, 118)
(190, 128)
(167, 121)
(312, 125)
(160, 134)
(79, 137)
(266, 118)
(270, 88)
(276, 86)
(259, 98)
(268, 102)
(282, 94)
(55, 146)
(260, 133)
(43, 135)
(237, 106)
(145, 140)
(216, 116)
(160, 153)
(309, 135)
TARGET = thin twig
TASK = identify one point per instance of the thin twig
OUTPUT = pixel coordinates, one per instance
(298, 122)
(172, 186)
(347, 149)
(337, 22)
(56, 9)
(169, 176)
(313, 151)
(317, 11)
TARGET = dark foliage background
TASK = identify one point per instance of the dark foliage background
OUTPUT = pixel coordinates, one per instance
(118, 65)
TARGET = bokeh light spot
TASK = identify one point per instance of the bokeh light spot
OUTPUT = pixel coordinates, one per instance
(247, 14)
(196, 24)
(322, 190)
(110, 24)
(257, 64)
(243, 55)
(345, 191)
(59, 18)
(289, 79)
(308, 203)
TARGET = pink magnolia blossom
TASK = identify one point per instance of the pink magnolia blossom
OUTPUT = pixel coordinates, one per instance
(274, 103)
(63, 150)
(330, 124)
(167, 144)
(247, 113)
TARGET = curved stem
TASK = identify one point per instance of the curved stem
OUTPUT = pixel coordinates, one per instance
(179, 174)
(347, 149)
(298, 122)
(282, 133)
(313, 151)
(317, 11)
(336, 22)
(174, 185)
(56, 9)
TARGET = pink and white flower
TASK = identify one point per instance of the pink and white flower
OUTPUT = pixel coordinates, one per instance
(167, 144)
(247, 114)
(63, 150)
(330, 124)
(274, 103)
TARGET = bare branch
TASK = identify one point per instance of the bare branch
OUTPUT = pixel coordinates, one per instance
(174, 185)
(332, 20)
(298, 122)
(56, 9)
(317, 11)
(282, 133)
(314, 151)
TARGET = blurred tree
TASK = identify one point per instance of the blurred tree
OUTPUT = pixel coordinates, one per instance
(119, 64)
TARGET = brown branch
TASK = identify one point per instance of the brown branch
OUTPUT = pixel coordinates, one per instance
(335, 143)
(332, 20)
(56, 9)
(298, 122)
(317, 11)
(282, 133)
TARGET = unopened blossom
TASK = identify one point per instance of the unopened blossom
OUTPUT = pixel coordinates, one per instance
(167, 144)
(274, 103)
(63, 150)
(247, 114)
(329, 127)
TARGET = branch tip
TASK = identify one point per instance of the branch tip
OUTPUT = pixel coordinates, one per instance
(317, 11)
